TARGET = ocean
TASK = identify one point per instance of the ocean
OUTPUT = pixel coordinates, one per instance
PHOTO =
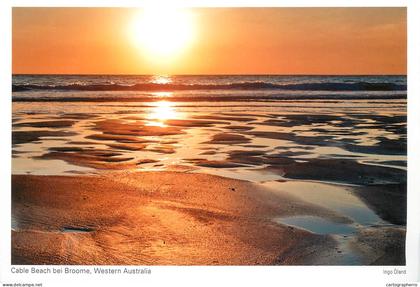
(205, 88)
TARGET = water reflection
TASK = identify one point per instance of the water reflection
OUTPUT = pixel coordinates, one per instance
(160, 112)
(161, 80)
(317, 224)
(331, 196)
(162, 94)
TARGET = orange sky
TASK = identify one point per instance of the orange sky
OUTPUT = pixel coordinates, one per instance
(226, 41)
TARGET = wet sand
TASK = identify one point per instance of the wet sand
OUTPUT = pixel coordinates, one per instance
(169, 185)
(171, 218)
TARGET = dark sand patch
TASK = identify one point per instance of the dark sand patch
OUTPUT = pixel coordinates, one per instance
(193, 123)
(228, 138)
(281, 123)
(117, 159)
(66, 149)
(341, 171)
(118, 138)
(83, 143)
(245, 153)
(210, 152)
(162, 149)
(382, 119)
(95, 158)
(318, 118)
(91, 151)
(295, 147)
(16, 153)
(382, 252)
(347, 156)
(22, 137)
(335, 132)
(134, 118)
(164, 142)
(398, 129)
(126, 112)
(119, 127)
(236, 118)
(402, 163)
(126, 146)
(46, 124)
(301, 140)
(253, 157)
(340, 121)
(384, 146)
(388, 201)
(278, 160)
(395, 123)
(213, 163)
(239, 114)
(78, 116)
(239, 128)
(146, 160)
(255, 146)
(292, 120)
(294, 153)
(312, 118)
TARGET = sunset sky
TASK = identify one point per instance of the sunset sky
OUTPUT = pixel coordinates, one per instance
(210, 41)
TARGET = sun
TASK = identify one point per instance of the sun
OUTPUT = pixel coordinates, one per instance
(163, 33)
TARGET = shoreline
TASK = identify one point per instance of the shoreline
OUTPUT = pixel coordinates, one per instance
(177, 218)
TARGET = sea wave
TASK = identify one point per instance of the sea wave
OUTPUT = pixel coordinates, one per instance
(326, 86)
(207, 98)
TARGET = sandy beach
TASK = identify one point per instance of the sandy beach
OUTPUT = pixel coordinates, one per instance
(173, 218)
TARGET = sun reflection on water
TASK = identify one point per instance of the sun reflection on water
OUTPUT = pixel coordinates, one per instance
(160, 112)
(162, 94)
(161, 80)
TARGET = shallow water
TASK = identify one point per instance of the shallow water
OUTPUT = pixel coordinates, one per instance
(194, 141)
(317, 225)
(338, 198)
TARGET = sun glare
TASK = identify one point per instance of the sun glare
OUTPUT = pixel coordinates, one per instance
(163, 33)
(158, 79)
(161, 112)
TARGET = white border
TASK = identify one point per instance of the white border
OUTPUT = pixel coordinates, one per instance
(413, 92)
(210, 276)
(5, 143)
